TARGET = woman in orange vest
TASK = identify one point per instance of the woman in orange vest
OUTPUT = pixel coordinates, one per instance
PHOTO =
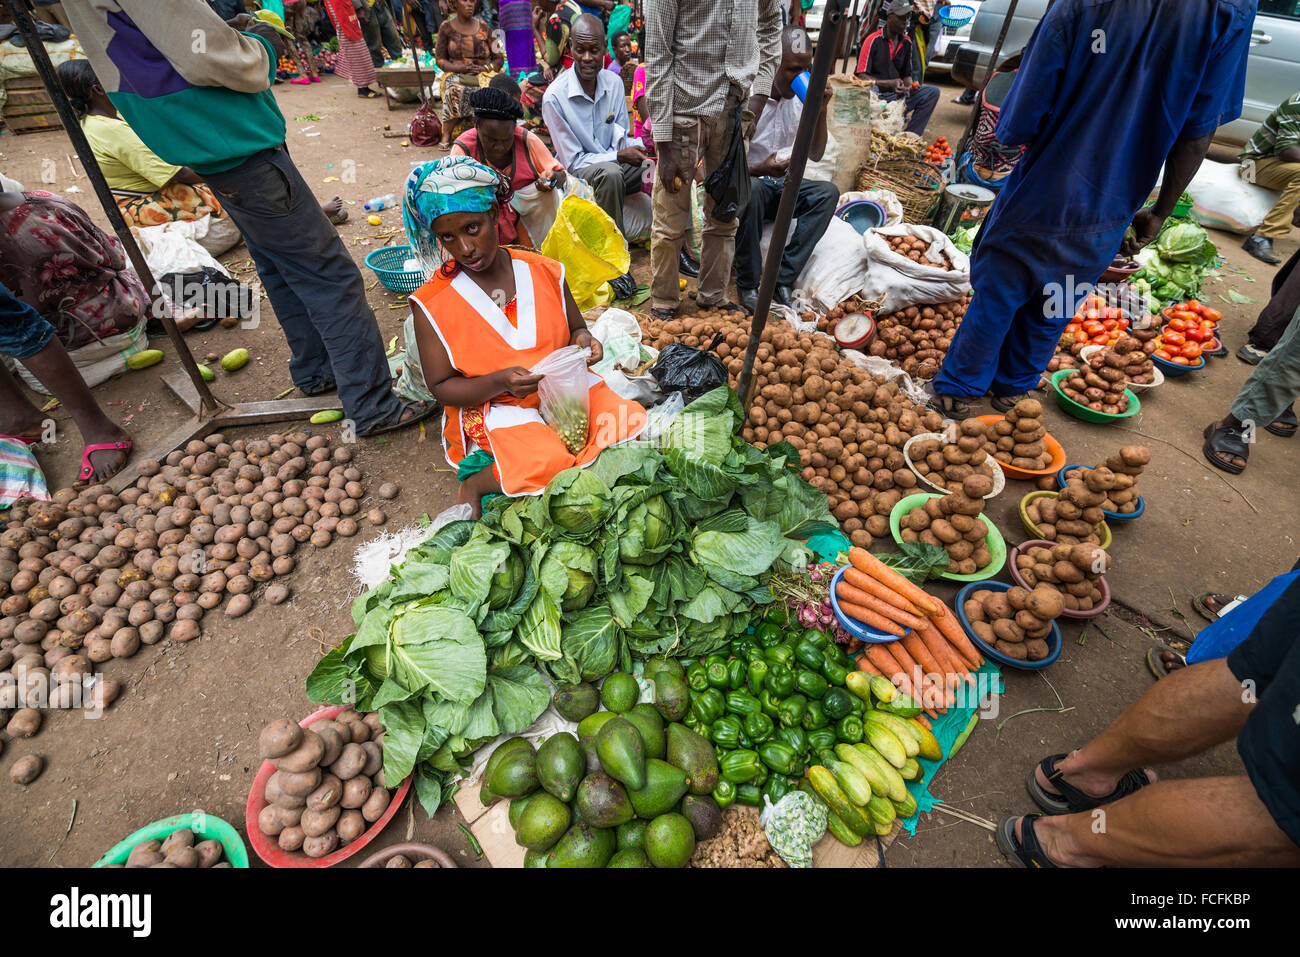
(485, 318)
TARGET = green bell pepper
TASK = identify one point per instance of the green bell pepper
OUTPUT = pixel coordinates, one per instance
(809, 655)
(777, 787)
(827, 759)
(725, 732)
(758, 727)
(724, 792)
(737, 672)
(814, 717)
(797, 738)
(778, 614)
(779, 655)
(717, 675)
(697, 677)
(743, 738)
(715, 659)
(816, 636)
(771, 704)
(792, 709)
(756, 674)
(780, 757)
(742, 646)
(750, 795)
(859, 707)
(768, 634)
(742, 703)
(779, 681)
(823, 739)
(708, 705)
(849, 729)
(739, 766)
(837, 703)
(694, 724)
(810, 684)
(759, 779)
(834, 672)
(754, 653)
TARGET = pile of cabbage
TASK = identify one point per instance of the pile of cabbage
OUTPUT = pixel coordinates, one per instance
(661, 548)
(1174, 266)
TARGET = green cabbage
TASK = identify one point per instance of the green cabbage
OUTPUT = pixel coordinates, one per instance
(506, 581)
(647, 532)
(569, 573)
(1183, 243)
(576, 502)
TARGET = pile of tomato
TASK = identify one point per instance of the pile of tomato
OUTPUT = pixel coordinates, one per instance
(938, 151)
(1097, 323)
(1190, 331)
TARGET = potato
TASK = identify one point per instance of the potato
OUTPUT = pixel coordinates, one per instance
(1012, 649)
(316, 823)
(273, 819)
(356, 791)
(304, 757)
(181, 631)
(279, 738)
(351, 825)
(238, 606)
(275, 796)
(350, 761)
(997, 606)
(24, 723)
(145, 854)
(151, 632)
(182, 857)
(376, 804)
(374, 757)
(1006, 630)
(299, 783)
(1017, 597)
(210, 851)
(291, 838)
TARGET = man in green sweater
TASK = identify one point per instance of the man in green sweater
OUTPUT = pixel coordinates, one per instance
(197, 91)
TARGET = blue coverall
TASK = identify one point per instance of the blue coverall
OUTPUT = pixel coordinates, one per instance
(1105, 89)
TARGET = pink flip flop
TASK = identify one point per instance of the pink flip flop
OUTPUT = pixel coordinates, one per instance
(315, 79)
(300, 80)
(88, 470)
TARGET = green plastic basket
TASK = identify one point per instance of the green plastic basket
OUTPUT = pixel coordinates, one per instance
(204, 825)
(993, 541)
(387, 263)
(1080, 411)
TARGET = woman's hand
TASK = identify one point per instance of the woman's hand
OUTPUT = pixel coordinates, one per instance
(585, 340)
(518, 381)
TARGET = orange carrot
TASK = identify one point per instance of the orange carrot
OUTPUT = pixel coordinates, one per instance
(951, 629)
(870, 617)
(906, 662)
(943, 652)
(846, 592)
(923, 720)
(864, 561)
(864, 664)
(860, 579)
(889, 669)
(918, 650)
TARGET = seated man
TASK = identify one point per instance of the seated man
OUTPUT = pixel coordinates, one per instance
(887, 58)
(586, 113)
(769, 155)
(1273, 161)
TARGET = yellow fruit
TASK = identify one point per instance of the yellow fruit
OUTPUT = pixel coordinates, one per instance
(681, 283)
(329, 415)
(374, 221)
(208, 374)
(145, 359)
(234, 359)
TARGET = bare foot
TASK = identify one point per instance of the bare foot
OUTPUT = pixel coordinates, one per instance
(335, 211)
(106, 462)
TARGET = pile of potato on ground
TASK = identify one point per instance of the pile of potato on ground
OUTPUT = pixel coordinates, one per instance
(1073, 515)
(1122, 494)
(946, 464)
(917, 249)
(1126, 355)
(1073, 570)
(179, 849)
(916, 338)
(1015, 622)
(1099, 386)
(328, 786)
(848, 425)
(953, 523)
(1017, 439)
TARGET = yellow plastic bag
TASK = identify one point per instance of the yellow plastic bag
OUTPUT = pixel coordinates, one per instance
(587, 241)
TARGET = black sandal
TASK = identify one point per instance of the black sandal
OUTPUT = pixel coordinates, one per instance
(949, 406)
(422, 410)
(725, 307)
(1071, 800)
(1005, 403)
(321, 388)
(1202, 604)
(663, 315)
(1026, 852)
(1223, 440)
(1156, 662)
(1285, 424)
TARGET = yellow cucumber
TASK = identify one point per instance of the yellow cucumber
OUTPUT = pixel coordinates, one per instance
(905, 808)
(823, 782)
(879, 784)
(931, 750)
(207, 374)
(883, 688)
(897, 788)
(852, 782)
(859, 683)
(843, 833)
(145, 359)
(882, 830)
(234, 360)
(881, 811)
(884, 741)
(911, 770)
(329, 415)
(899, 728)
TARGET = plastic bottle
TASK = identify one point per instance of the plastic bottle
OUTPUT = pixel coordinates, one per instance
(382, 202)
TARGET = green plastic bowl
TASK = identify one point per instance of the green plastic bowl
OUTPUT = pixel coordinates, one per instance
(1103, 532)
(993, 541)
(204, 825)
(1080, 411)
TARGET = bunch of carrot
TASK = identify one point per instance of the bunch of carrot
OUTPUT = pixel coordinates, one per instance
(933, 654)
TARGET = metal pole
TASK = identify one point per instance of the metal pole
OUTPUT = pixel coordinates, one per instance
(827, 42)
(209, 404)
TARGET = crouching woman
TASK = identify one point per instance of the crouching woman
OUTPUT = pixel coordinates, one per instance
(486, 317)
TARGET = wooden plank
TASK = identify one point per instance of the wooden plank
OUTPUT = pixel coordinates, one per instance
(468, 803)
(16, 98)
(829, 852)
(498, 838)
(33, 124)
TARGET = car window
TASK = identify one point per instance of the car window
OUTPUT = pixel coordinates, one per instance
(1281, 8)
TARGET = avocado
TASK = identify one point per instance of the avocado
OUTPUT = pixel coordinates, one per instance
(575, 702)
(592, 723)
(694, 754)
(621, 752)
(632, 857)
(588, 745)
(664, 787)
(672, 696)
(583, 846)
(561, 765)
(669, 841)
(631, 836)
(517, 806)
(646, 720)
(535, 859)
(485, 794)
(655, 665)
(502, 749)
(619, 692)
(544, 822)
(703, 813)
(602, 802)
(516, 774)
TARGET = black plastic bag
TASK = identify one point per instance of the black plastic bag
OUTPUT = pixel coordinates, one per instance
(728, 185)
(682, 368)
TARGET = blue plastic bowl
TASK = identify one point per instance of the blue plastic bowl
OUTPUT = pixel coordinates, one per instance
(1054, 640)
(854, 627)
(1173, 370)
(1110, 516)
(862, 214)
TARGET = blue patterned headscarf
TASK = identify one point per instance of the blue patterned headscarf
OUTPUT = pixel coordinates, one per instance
(454, 184)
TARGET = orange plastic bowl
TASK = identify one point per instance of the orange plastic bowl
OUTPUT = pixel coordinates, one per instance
(1029, 475)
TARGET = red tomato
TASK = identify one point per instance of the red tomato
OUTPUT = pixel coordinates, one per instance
(1198, 334)
(1093, 327)
(1179, 324)
(1192, 351)
(1180, 360)
(1165, 354)
(1211, 314)
(1173, 337)
(1194, 305)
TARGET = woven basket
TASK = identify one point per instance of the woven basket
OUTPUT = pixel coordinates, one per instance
(917, 185)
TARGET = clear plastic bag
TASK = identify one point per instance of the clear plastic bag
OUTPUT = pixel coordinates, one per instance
(565, 396)
(793, 825)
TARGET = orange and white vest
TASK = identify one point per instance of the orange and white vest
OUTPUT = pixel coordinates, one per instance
(480, 340)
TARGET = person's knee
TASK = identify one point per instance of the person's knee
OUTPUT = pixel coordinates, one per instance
(927, 95)
(822, 193)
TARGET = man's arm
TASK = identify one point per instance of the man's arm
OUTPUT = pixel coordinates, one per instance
(1181, 164)
(818, 147)
(660, 23)
(201, 47)
(568, 148)
(769, 58)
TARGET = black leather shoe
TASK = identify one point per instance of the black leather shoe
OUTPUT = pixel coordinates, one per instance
(624, 286)
(1261, 249)
(686, 265)
(748, 299)
(783, 295)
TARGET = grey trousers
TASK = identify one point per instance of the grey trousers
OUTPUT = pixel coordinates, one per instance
(1274, 384)
(611, 182)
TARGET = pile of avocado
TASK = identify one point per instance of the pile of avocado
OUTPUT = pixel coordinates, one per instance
(631, 789)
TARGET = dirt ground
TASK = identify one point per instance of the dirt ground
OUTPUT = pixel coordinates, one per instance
(183, 735)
